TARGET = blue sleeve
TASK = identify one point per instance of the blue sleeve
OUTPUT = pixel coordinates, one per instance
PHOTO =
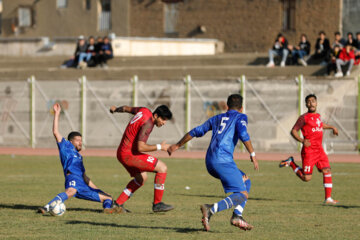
(62, 144)
(200, 131)
(241, 127)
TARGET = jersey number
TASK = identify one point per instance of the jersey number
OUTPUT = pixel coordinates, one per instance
(150, 159)
(223, 124)
(72, 183)
(307, 169)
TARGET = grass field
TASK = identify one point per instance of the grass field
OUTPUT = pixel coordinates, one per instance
(280, 205)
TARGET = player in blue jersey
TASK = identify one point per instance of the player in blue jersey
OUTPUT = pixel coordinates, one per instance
(77, 183)
(227, 128)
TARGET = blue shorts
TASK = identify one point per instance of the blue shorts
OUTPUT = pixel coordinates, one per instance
(83, 190)
(230, 176)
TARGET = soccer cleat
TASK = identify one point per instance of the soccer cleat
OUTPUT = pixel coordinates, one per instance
(286, 163)
(161, 207)
(239, 221)
(116, 209)
(330, 201)
(205, 210)
(42, 210)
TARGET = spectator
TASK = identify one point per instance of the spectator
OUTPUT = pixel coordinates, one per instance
(105, 53)
(322, 48)
(302, 50)
(88, 55)
(350, 39)
(338, 41)
(80, 47)
(335, 52)
(280, 48)
(357, 47)
(346, 57)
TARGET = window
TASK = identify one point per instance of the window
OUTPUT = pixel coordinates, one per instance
(61, 3)
(24, 16)
(104, 17)
(87, 4)
(170, 19)
(289, 7)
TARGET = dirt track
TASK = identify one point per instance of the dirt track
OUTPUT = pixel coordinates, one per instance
(179, 154)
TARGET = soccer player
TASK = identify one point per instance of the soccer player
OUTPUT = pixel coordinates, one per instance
(130, 154)
(226, 128)
(77, 183)
(312, 152)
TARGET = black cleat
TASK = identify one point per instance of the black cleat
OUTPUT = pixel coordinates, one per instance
(205, 210)
(239, 221)
(161, 207)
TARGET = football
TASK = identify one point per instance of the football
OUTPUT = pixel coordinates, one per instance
(57, 208)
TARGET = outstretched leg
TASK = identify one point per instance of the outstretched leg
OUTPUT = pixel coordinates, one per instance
(69, 192)
(298, 170)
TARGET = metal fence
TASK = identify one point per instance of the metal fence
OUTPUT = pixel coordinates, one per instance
(272, 106)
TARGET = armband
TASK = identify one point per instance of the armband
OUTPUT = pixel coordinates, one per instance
(252, 154)
(158, 146)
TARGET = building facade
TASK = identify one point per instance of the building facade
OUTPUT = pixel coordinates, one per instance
(243, 25)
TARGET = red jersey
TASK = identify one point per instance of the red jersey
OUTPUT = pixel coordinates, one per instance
(311, 128)
(138, 129)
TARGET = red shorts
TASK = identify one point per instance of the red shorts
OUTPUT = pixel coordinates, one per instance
(137, 163)
(311, 158)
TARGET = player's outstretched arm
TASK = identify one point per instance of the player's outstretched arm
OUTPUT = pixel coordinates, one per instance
(121, 109)
(57, 110)
(89, 182)
(187, 137)
(249, 147)
(144, 147)
(335, 130)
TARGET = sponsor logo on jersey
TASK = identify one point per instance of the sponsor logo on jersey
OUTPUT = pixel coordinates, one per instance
(136, 117)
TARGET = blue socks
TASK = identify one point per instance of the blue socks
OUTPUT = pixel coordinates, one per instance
(240, 208)
(107, 203)
(61, 196)
(232, 200)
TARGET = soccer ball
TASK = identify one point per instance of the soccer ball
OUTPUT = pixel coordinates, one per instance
(57, 208)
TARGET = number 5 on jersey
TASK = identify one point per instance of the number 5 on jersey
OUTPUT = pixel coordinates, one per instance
(223, 124)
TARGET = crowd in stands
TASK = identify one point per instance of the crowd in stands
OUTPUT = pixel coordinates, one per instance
(90, 53)
(339, 56)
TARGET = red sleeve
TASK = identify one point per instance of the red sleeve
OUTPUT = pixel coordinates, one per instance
(299, 123)
(145, 130)
(135, 110)
(352, 55)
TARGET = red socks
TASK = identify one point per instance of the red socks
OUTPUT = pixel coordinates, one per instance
(159, 187)
(298, 170)
(128, 191)
(327, 184)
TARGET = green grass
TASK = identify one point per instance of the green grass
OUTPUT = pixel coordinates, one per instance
(280, 205)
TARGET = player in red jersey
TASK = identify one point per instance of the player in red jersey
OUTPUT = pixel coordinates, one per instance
(130, 154)
(312, 152)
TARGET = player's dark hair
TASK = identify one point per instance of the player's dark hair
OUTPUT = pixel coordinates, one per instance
(73, 134)
(235, 101)
(164, 112)
(310, 96)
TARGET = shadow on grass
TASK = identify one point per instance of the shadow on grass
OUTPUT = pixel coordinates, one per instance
(223, 196)
(34, 208)
(180, 230)
(19, 206)
(343, 206)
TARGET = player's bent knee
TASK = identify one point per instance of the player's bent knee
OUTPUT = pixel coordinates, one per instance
(307, 178)
(245, 194)
(160, 167)
(326, 170)
(70, 192)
